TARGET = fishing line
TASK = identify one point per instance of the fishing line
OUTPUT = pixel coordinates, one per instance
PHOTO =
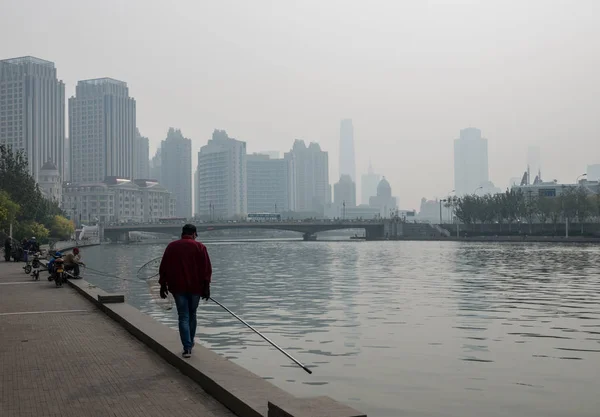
(149, 273)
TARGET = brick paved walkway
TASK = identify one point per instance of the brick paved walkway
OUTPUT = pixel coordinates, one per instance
(59, 356)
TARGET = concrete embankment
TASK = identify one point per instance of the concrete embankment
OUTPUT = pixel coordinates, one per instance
(62, 355)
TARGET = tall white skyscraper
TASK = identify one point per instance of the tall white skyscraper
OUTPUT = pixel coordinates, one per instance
(176, 170)
(142, 163)
(470, 161)
(222, 188)
(309, 177)
(102, 131)
(268, 184)
(347, 162)
(32, 111)
(369, 183)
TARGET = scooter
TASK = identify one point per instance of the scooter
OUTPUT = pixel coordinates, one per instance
(60, 276)
(36, 264)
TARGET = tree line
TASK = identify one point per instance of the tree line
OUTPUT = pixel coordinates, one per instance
(23, 205)
(515, 206)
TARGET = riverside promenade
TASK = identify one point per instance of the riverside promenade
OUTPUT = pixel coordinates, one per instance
(62, 356)
(71, 352)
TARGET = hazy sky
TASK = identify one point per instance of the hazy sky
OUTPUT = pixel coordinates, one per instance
(410, 74)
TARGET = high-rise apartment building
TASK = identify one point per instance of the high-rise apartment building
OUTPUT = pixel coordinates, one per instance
(470, 161)
(102, 131)
(309, 177)
(347, 162)
(155, 162)
(32, 111)
(368, 184)
(176, 170)
(344, 192)
(222, 186)
(142, 162)
(268, 184)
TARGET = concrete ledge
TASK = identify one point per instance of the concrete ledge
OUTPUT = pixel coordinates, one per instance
(244, 393)
(111, 298)
(312, 407)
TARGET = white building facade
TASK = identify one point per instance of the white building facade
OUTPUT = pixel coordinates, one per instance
(32, 111)
(117, 201)
(176, 170)
(102, 131)
(50, 182)
(268, 184)
(221, 179)
(470, 162)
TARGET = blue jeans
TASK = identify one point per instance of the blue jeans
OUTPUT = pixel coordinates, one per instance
(187, 304)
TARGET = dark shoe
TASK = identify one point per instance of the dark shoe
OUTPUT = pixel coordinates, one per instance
(187, 353)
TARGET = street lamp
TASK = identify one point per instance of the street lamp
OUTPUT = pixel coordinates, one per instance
(441, 201)
(478, 188)
(577, 180)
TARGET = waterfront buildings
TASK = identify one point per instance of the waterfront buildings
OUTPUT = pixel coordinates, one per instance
(309, 177)
(383, 200)
(221, 179)
(176, 170)
(155, 166)
(32, 111)
(102, 131)
(50, 182)
(347, 159)
(344, 192)
(268, 184)
(117, 200)
(368, 184)
(555, 189)
(470, 161)
(142, 162)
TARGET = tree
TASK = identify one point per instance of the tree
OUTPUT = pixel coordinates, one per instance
(30, 228)
(8, 210)
(61, 228)
(545, 206)
(584, 206)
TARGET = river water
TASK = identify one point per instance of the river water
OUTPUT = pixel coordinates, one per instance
(401, 328)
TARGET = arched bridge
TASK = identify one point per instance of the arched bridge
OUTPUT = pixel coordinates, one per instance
(373, 229)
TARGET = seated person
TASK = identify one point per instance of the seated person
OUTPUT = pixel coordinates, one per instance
(72, 262)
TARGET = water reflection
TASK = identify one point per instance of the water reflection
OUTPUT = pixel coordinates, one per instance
(402, 328)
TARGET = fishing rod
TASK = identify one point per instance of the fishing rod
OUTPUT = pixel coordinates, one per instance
(261, 335)
(297, 362)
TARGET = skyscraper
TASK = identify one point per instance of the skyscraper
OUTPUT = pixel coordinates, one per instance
(344, 192)
(32, 111)
(176, 170)
(268, 184)
(142, 163)
(347, 163)
(102, 131)
(155, 163)
(222, 187)
(368, 183)
(309, 177)
(470, 161)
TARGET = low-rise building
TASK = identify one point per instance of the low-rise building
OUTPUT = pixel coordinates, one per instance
(555, 189)
(117, 200)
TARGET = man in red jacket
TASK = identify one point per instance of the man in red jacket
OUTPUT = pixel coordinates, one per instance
(185, 271)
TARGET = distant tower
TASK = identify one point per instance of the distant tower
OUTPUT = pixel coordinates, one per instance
(368, 184)
(470, 161)
(347, 162)
(176, 170)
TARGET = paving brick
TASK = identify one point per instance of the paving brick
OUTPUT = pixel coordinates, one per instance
(81, 363)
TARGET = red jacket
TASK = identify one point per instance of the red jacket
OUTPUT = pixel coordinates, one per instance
(185, 267)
